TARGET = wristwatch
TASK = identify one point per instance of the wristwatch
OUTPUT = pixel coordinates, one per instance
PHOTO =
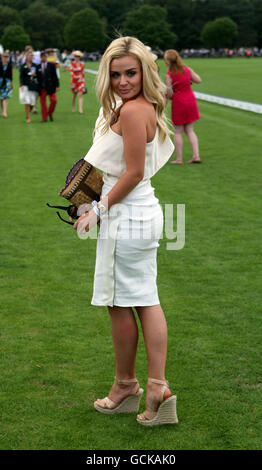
(102, 209)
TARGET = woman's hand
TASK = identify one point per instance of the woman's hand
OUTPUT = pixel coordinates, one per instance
(86, 222)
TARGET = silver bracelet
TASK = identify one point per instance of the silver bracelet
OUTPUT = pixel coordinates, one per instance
(97, 211)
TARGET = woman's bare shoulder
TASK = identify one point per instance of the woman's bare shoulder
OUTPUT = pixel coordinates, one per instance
(130, 106)
(138, 108)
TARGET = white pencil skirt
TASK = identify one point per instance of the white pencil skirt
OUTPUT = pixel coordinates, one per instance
(126, 256)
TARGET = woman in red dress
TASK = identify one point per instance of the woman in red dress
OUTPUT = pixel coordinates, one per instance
(184, 106)
(77, 80)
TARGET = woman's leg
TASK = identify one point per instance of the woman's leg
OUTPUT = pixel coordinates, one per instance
(5, 103)
(80, 103)
(154, 328)
(193, 140)
(74, 102)
(178, 138)
(27, 113)
(125, 339)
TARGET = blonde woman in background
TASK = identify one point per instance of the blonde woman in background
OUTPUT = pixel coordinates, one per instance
(29, 84)
(131, 144)
(184, 106)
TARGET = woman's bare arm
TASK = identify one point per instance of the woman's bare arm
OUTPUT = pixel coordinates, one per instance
(134, 133)
(194, 76)
(169, 86)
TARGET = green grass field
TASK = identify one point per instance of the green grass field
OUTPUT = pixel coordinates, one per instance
(56, 349)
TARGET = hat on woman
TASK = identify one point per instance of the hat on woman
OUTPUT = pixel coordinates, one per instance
(78, 53)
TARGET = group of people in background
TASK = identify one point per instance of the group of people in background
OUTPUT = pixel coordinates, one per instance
(39, 77)
(222, 52)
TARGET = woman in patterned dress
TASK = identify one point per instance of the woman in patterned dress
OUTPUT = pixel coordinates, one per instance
(6, 84)
(77, 80)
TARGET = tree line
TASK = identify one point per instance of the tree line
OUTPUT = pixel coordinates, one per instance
(91, 24)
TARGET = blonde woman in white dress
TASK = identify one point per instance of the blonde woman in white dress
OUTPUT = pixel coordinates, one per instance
(131, 144)
(29, 84)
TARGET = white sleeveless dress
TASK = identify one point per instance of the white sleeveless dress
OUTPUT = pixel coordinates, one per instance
(126, 267)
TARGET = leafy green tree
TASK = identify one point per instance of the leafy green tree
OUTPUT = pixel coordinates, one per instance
(148, 23)
(181, 16)
(219, 33)
(188, 17)
(55, 3)
(85, 31)
(69, 7)
(243, 12)
(16, 4)
(258, 21)
(44, 24)
(15, 38)
(8, 16)
(114, 13)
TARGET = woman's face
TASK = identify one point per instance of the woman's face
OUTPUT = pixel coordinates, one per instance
(126, 77)
(29, 57)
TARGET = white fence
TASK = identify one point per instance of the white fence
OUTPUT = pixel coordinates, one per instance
(245, 105)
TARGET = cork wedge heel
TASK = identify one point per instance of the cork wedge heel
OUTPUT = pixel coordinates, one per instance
(130, 404)
(166, 413)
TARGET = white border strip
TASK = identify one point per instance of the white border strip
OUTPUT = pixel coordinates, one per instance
(244, 105)
(95, 72)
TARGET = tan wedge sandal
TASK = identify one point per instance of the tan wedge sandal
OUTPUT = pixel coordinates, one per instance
(130, 404)
(166, 413)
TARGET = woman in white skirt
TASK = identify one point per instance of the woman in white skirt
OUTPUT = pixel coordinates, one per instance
(29, 84)
(131, 144)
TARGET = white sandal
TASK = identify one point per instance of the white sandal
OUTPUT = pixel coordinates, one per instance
(166, 413)
(130, 404)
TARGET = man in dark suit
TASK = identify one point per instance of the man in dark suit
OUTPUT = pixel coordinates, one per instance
(49, 85)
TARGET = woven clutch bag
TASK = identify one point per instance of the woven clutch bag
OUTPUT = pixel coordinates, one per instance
(83, 184)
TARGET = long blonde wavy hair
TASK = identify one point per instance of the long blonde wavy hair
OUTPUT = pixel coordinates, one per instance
(154, 90)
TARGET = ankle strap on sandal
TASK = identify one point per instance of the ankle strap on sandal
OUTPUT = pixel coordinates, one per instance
(160, 382)
(125, 382)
